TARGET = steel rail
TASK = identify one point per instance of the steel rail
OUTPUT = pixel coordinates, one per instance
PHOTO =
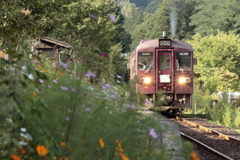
(210, 130)
(204, 145)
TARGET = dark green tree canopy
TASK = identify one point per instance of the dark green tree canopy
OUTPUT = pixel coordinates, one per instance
(211, 16)
(171, 16)
(141, 3)
(153, 6)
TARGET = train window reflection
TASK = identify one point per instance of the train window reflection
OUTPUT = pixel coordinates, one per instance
(145, 61)
(164, 62)
(183, 60)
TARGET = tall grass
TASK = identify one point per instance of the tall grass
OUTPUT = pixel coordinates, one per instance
(58, 114)
(217, 110)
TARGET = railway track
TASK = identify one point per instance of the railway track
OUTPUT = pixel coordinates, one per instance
(206, 147)
(224, 146)
(210, 130)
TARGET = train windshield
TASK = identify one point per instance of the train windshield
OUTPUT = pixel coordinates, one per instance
(145, 61)
(164, 62)
(183, 60)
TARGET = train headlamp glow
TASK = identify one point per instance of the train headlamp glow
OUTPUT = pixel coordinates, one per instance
(147, 80)
(184, 80)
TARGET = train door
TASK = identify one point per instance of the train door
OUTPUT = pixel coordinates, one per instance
(164, 71)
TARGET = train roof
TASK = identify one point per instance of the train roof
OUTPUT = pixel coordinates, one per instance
(154, 43)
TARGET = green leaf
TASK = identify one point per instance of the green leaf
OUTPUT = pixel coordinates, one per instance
(15, 142)
(39, 114)
(3, 62)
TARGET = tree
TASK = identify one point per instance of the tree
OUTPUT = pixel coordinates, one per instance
(22, 19)
(185, 9)
(143, 30)
(227, 81)
(153, 6)
(217, 54)
(14, 20)
(173, 17)
(162, 21)
(141, 3)
(126, 7)
(93, 27)
(124, 38)
(212, 16)
(88, 25)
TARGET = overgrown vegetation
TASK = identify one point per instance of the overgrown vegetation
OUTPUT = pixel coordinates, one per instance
(59, 114)
(218, 109)
(68, 113)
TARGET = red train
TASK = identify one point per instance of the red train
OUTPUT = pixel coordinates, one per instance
(167, 65)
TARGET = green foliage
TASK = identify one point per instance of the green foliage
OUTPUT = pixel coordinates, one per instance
(227, 81)
(203, 99)
(69, 21)
(217, 109)
(153, 6)
(170, 16)
(141, 31)
(211, 83)
(124, 38)
(68, 115)
(218, 58)
(94, 34)
(138, 3)
(162, 21)
(141, 3)
(23, 19)
(173, 17)
(224, 113)
(185, 8)
(161, 99)
(16, 75)
(126, 7)
(211, 16)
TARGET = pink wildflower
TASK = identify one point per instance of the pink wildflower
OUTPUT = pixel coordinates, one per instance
(153, 134)
(92, 16)
(112, 17)
(41, 81)
(64, 88)
(105, 55)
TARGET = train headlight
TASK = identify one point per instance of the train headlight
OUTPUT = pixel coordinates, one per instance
(145, 80)
(184, 80)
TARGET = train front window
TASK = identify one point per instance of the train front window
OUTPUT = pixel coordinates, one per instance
(164, 62)
(183, 60)
(145, 61)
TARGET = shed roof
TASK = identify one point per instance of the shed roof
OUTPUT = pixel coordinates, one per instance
(54, 42)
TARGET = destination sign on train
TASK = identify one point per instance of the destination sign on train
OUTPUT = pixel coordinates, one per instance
(183, 53)
(164, 42)
(145, 54)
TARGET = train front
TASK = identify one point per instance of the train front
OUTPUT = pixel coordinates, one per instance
(174, 70)
(165, 65)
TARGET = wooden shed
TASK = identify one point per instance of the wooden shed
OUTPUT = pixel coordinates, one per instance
(51, 48)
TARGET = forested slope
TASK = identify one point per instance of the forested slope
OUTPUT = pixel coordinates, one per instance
(216, 22)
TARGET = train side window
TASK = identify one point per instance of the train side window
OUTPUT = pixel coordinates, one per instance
(145, 61)
(164, 62)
